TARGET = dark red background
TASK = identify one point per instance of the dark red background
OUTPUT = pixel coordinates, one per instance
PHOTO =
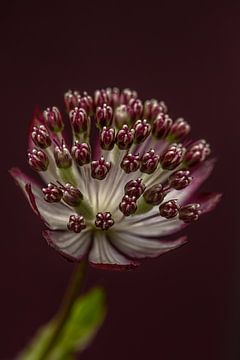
(186, 304)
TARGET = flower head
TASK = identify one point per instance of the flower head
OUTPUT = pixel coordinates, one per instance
(115, 197)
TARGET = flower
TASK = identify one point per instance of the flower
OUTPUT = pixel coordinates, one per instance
(115, 196)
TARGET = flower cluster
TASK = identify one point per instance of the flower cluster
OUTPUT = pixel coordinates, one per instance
(115, 196)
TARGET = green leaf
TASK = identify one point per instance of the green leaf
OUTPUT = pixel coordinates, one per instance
(86, 316)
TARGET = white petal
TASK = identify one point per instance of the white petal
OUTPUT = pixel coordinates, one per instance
(104, 255)
(139, 247)
(55, 215)
(152, 226)
(51, 174)
(71, 245)
(111, 190)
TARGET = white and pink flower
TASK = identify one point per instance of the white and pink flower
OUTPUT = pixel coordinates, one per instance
(123, 185)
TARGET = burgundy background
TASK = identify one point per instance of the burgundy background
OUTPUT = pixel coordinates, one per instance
(186, 304)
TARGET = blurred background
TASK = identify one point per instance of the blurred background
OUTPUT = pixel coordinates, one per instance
(185, 304)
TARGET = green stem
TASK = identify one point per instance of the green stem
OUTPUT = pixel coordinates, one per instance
(65, 308)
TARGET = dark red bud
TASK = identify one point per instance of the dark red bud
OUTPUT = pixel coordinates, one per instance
(164, 106)
(85, 102)
(128, 205)
(107, 138)
(135, 188)
(71, 195)
(113, 95)
(104, 116)
(155, 194)
(179, 129)
(172, 157)
(134, 108)
(71, 99)
(152, 108)
(53, 119)
(76, 223)
(130, 163)
(142, 130)
(79, 120)
(197, 152)
(149, 162)
(38, 160)
(40, 137)
(104, 220)
(189, 213)
(81, 152)
(101, 97)
(161, 126)
(124, 137)
(52, 193)
(126, 95)
(180, 179)
(121, 116)
(100, 168)
(169, 209)
(62, 156)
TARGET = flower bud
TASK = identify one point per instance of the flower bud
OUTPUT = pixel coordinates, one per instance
(104, 220)
(179, 129)
(40, 137)
(134, 108)
(149, 162)
(71, 195)
(161, 126)
(79, 120)
(130, 163)
(71, 99)
(113, 95)
(121, 116)
(142, 130)
(128, 205)
(53, 119)
(85, 102)
(107, 138)
(164, 107)
(172, 157)
(169, 209)
(76, 223)
(126, 95)
(101, 97)
(124, 137)
(38, 160)
(81, 152)
(100, 168)
(135, 188)
(104, 116)
(180, 179)
(152, 109)
(52, 193)
(154, 195)
(189, 213)
(197, 152)
(62, 156)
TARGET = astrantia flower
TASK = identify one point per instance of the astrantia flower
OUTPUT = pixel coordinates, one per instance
(115, 196)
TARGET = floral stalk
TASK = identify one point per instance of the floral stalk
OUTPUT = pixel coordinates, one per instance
(71, 294)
